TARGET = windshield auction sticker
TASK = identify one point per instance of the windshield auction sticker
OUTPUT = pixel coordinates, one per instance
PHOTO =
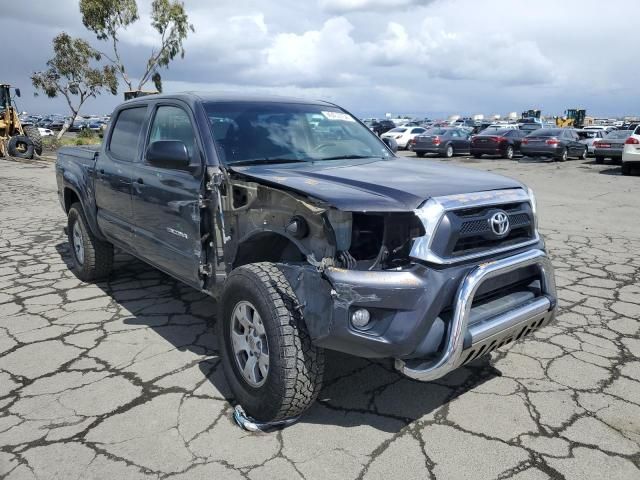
(338, 116)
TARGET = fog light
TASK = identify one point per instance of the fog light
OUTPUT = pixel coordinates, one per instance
(360, 318)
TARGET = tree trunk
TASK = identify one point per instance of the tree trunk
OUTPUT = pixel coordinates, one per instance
(66, 127)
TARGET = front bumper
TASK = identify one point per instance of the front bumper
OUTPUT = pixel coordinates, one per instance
(431, 320)
(493, 332)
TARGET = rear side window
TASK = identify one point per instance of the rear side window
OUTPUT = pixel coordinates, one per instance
(126, 133)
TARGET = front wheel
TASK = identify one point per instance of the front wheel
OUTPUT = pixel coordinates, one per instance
(273, 369)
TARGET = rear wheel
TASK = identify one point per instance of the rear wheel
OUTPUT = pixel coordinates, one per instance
(34, 134)
(448, 151)
(508, 154)
(599, 159)
(585, 153)
(564, 155)
(420, 154)
(477, 155)
(92, 258)
(273, 369)
(626, 169)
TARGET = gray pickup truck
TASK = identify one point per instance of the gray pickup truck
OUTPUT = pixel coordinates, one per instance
(311, 234)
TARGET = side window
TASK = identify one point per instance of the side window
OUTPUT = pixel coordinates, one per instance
(417, 130)
(173, 123)
(126, 133)
(455, 134)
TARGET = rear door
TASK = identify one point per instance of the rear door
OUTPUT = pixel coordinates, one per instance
(113, 175)
(166, 201)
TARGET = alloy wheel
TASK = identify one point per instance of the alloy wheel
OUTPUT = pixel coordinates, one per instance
(249, 343)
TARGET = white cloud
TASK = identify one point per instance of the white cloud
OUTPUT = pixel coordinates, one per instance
(344, 6)
(412, 56)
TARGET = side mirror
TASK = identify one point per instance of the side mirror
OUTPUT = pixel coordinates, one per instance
(391, 143)
(17, 92)
(168, 154)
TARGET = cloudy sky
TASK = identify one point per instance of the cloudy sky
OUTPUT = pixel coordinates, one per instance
(420, 57)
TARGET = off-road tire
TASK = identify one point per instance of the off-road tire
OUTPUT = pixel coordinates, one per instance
(12, 147)
(420, 154)
(599, 159)
(98, 255)
(34, 134)
(296, 366)
(626, 169)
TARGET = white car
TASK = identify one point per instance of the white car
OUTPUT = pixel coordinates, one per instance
(403, 135)
(45, 132)
(588, 136)
(604, 128)
(631, 151)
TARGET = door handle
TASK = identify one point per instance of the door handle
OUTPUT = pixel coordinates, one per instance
(140, 181)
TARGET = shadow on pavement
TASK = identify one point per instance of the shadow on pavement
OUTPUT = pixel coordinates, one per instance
(356, 391)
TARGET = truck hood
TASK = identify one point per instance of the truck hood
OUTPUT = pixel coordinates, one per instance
(375, 185)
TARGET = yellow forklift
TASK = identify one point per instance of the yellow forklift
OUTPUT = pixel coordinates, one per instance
(573, 117)
(16, 140)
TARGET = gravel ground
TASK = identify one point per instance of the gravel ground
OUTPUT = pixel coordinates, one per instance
(121, 379)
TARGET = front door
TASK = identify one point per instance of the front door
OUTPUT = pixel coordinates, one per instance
(166, 200)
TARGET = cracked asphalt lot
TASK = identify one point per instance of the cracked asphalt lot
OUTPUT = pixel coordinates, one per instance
(121, 379)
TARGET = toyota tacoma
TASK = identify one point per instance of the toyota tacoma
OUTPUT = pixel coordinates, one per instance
(311, 234)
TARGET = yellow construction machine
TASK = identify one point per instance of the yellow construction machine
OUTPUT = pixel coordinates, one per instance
(573, 117)
(16, 140)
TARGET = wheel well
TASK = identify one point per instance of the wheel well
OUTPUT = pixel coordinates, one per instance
(70, 197)
(267, 247)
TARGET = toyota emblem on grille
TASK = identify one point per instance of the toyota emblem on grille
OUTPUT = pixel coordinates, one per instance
(499, 222)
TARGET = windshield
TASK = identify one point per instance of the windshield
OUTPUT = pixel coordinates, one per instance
(584, 134)
(618, 134)
(268, 132)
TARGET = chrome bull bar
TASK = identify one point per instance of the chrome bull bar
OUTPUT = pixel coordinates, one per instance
(488, 334)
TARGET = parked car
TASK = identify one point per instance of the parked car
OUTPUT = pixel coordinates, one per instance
(631, 151)
(308, 245)
(505, 143)
(45, 132)
(559, 143)
(589, 137)
(605, 128)
(446, 142)
(499, 126)
(382, 126)
(530, 127)
(403, 135)
(611, 145)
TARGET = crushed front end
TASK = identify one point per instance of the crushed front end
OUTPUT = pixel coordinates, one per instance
(435, 288)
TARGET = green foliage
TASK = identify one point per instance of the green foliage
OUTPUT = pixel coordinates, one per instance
(107, 18)
(86, 133)
(72, 74)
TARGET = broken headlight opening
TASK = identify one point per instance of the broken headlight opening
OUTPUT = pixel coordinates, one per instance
(380, 241)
